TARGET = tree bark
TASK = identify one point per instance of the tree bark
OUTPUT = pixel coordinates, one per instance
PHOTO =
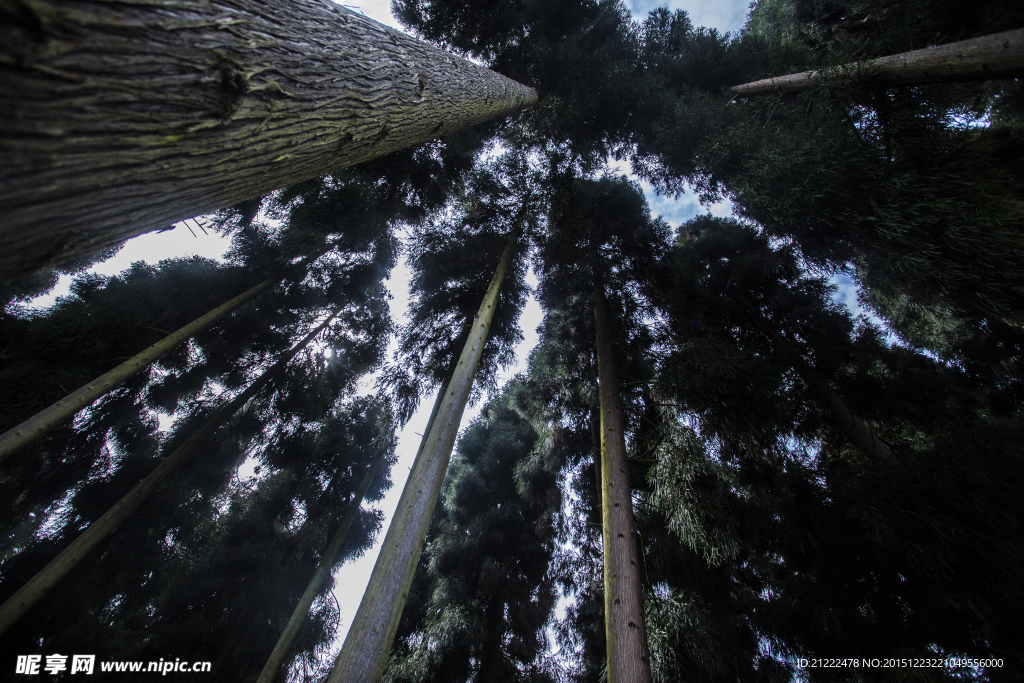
(1000, 55)
(364, 655)
(40, 585)
(323, 570)
(124, 117)
(856, 429)
(625, 628)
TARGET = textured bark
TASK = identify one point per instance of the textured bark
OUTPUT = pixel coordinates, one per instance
(124, 117)
(365, 652)
(323, 570)
(625, 629)
(40, 585)
(1000, 55)
(856, 429)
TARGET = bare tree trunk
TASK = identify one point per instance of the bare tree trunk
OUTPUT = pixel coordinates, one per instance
(43, 422)
(123, 117)
(856, 429)
(1000, 55)
(273, 664)
(40, 585)
(625, 629)
(323, 570)
(364, 655)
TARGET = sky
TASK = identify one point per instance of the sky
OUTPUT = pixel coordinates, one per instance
(724, 15)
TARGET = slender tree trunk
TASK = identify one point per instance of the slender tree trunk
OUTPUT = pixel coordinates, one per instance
(40, 585)
(595, 443)
(365, 652)
(625, 630)
(1000, 55)
(43, 422)
(856, 429)
(323, 571)
(124, 117)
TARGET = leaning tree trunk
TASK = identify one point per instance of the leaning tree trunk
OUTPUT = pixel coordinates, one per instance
(323, 570)
(123, 117)
(36, 588)
(1000, 55)
(364, 655)
(856, 430)
(43, 422)
(625, 629)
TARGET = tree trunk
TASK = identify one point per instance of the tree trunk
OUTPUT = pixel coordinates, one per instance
(1000, 55)
(121, 118)
(595, 443)
(856, 429)
(625, 630)
(40, 585)
(323, 570)
(43, 422)
(365, 652)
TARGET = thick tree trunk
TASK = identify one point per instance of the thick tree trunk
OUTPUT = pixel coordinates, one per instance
(40, 585)
(625, 629)
(1000, 55)
(856, 429)
(365, 652)
(124, 117)
(323, 570)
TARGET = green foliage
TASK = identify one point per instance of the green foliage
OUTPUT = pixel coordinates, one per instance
(581, 56)
(483, 588)
(910, 188)
(453, 257)
(766, 534)
(210, 550)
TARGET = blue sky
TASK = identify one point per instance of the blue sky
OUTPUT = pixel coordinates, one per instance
(725, 15)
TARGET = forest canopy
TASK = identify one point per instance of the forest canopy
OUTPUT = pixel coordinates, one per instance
(711, 467)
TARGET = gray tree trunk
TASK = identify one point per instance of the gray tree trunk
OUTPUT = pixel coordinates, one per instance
(625, 628)
(1000, 55)
(37, 588)
(123, 117)
(364, 655)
